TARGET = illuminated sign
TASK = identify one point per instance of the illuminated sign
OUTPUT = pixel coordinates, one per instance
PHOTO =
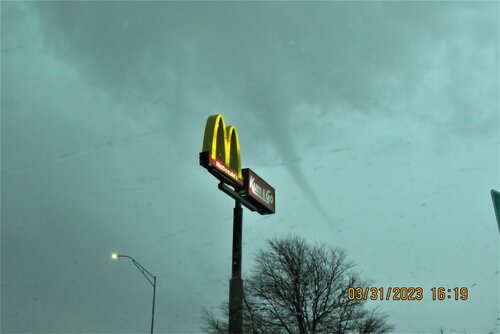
(221, 149)
(220, 155)
(259, 192)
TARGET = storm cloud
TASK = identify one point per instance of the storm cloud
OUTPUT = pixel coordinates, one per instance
(364, 105)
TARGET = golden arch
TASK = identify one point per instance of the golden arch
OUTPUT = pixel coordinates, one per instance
(222, 143)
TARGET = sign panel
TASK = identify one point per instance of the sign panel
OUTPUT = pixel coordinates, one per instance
(219, 169)
(495, 195)
(259, 192)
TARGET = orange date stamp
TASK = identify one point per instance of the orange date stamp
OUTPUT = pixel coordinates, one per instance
(406, 293)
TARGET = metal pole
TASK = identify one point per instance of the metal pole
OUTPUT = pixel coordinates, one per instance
(153, 313)
(236, 283)
(144, 271)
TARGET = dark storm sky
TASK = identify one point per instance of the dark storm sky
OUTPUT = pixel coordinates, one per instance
(377, 123)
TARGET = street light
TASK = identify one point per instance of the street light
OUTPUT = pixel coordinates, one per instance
(150, 277)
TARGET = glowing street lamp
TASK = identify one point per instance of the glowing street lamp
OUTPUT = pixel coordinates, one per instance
(150, 277)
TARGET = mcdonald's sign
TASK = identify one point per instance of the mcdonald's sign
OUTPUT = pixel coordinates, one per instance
(221, 149)
(220, 155)
(258, 191)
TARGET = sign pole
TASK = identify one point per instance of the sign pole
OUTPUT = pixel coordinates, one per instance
(220, 155)
(236, 283)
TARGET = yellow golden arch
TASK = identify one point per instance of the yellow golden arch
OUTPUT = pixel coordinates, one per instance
(222, 143)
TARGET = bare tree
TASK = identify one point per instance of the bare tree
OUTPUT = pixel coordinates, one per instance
(299, 288)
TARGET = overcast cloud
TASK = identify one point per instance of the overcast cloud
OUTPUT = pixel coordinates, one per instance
(376, 122)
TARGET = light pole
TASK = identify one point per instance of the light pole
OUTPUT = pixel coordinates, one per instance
(151, 279)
